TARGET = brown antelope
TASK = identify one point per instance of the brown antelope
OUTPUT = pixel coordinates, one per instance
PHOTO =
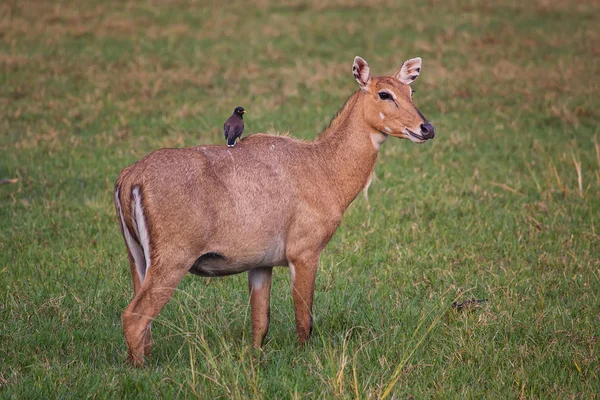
(271, 201)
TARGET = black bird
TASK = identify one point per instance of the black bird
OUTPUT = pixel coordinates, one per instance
(234, 126)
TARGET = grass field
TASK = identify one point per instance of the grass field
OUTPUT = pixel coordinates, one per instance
(503, 205)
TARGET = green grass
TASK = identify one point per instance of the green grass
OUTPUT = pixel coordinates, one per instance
(504, 204)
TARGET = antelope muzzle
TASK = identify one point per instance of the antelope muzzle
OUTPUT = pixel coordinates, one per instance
(427, 131)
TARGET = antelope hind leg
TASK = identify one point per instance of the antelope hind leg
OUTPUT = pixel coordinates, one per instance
(259, 285)
(154, 294)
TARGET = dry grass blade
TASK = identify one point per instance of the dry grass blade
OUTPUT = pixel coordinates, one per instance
(597, 147)
(563, 189)
(409, 354)
(507, 188)
(579, 177)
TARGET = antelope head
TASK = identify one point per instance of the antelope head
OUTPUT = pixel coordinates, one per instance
(388, 104)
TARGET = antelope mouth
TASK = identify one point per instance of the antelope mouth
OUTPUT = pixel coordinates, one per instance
(415, 137)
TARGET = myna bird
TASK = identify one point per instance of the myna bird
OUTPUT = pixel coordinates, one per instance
(234, 126)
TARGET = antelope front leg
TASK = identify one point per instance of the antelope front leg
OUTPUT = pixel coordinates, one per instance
(303, 272)
(259, 285)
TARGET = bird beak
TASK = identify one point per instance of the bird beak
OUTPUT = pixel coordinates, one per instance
(244, 112)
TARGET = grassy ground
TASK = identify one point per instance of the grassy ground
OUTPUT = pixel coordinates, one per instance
(503, 205)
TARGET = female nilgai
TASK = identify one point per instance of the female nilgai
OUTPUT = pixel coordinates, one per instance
(271, 201)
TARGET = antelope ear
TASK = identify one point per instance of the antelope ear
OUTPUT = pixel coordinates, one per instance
(360, 69)
(409, 71)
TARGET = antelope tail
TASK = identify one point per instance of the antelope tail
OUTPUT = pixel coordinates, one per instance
(138, 242)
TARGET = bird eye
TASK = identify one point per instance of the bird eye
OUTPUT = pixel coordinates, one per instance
(384, 95)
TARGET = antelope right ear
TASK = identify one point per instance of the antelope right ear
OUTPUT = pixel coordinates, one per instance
(361, 72)
(409, 71)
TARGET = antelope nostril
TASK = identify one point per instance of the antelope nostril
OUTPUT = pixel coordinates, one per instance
(427, 130)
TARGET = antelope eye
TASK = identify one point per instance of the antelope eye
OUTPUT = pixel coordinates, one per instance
(384, 96)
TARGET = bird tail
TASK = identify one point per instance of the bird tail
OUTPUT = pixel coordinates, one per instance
(231, 141)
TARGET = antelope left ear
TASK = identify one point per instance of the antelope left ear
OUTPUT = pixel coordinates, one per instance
(361, 72)
(409, 71)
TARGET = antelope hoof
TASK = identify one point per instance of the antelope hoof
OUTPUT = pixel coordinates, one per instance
(136, 361)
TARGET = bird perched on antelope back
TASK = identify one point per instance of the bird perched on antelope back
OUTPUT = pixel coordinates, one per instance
(234, 126)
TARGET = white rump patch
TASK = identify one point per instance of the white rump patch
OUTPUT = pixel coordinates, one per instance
(141, 228)
(133, 247)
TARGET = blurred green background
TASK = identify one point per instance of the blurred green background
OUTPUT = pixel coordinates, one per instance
(503, 205)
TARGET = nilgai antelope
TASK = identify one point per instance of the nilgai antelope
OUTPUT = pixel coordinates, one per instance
(275, 201)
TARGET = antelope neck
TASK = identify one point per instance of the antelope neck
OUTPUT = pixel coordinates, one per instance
(347, 150)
